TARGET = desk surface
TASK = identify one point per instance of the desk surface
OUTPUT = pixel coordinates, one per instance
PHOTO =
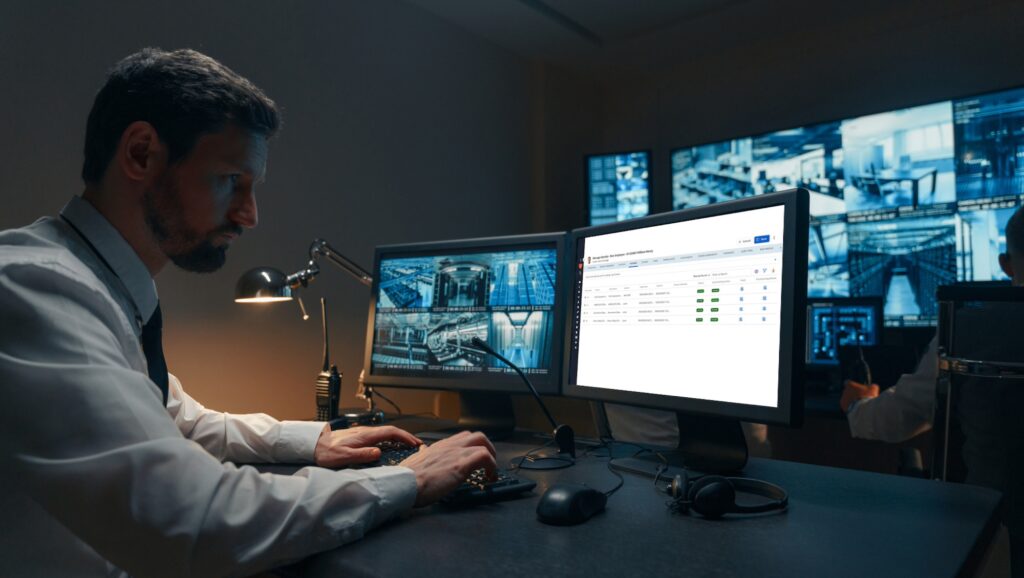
(839, 523)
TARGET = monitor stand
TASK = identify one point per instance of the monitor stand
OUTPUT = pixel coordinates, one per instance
(484, 411)
(706, 444)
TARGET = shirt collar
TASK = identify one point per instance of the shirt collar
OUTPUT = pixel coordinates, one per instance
(116, 251)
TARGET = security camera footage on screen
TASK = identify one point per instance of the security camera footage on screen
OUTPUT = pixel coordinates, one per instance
(901, 202)
(831, 326)
(429, 309)
(618, 187)
(677, 302)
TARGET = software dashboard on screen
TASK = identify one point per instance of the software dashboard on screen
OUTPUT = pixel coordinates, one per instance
(680, 300)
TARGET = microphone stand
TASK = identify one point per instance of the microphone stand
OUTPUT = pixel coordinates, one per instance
(565, 439)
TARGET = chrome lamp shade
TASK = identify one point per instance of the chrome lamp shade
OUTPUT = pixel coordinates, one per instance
(262, 285)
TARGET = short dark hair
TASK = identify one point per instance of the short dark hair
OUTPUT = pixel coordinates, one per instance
(1015, 233)
(184, 94)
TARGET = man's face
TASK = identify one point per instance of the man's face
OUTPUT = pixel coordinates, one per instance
(204, 201)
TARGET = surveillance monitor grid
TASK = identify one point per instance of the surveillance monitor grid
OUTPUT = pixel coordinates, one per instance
(901, 202)
(618, 186)
(430, 301)
(836, 323)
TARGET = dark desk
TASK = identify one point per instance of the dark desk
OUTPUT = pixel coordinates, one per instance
(840, 523)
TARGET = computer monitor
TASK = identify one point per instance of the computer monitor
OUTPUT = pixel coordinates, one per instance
(901, 201)
(698, 311)
(429, 300)
(618, 186)
(841, 322)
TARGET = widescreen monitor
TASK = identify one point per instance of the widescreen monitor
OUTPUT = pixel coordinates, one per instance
(430, 300)
(841, 322)
(618, 186)
(901, 202)
(698, 311)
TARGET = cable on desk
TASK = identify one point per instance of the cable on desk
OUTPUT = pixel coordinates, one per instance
(515, 464)
(387, 399)
(622, 480)
(607, 444)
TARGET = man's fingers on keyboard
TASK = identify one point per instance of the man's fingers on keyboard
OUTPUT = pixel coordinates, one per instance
(470, 439)
(361, 455)
(455, 439)
(479, 457)
(480, 439)
(392, 433)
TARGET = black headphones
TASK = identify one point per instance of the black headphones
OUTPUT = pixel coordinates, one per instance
(714, 496)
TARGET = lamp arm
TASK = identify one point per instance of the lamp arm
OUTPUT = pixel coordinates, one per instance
(320, 248)
(302, 277)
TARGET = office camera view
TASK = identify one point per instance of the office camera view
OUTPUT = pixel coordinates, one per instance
(901, 202)
(618, 186)
(430, 308)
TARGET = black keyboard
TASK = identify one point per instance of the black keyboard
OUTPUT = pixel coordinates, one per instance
(477, 489)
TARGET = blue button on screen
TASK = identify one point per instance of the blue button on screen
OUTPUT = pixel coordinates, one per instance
(761, 239)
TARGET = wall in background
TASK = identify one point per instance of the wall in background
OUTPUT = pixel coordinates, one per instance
(763, 65)
(398, 127)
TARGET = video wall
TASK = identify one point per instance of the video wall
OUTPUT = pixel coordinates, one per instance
(618, 186)
(429, 309)
(901, 201)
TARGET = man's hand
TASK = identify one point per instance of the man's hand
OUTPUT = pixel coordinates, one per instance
(852, 391)
(440, 468)
(356, 445)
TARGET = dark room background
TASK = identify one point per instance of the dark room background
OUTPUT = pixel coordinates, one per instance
(427, 120)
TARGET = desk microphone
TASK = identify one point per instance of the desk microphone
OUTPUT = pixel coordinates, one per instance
(564, 436)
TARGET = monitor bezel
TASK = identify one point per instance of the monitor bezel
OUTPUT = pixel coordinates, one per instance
(875, 301)
(794, 296)
(586, 179)
(496, 383)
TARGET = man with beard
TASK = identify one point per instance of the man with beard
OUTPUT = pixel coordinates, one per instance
(106, 465)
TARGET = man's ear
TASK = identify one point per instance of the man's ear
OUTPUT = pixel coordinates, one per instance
(140, 154)
(1006, 265)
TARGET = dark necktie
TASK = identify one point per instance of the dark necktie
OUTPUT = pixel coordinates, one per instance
(153, 348)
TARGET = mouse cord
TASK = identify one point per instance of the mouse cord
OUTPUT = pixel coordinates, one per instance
(622, 480)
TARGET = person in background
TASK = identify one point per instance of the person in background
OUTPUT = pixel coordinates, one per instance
(906, 409)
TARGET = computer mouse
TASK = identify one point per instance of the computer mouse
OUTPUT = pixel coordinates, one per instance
(569, 504)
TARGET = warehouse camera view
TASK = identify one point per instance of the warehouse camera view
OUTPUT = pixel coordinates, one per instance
(429, 309)
(618, 186)
(901, 202)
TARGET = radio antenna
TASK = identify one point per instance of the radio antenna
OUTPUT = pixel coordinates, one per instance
(323, 315)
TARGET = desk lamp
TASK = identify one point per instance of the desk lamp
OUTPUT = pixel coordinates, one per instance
(269, 285)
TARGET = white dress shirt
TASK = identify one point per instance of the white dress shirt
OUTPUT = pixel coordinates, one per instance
(905, 409)
(98, 477)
